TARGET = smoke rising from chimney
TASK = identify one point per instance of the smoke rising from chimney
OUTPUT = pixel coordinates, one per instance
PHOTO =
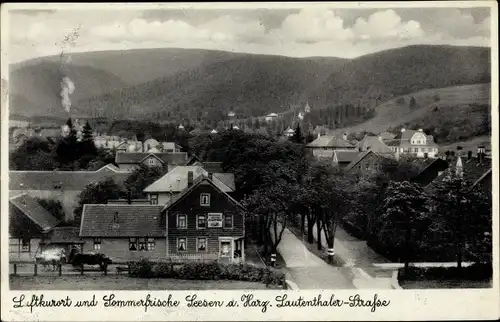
(67, 88)
(67, 85)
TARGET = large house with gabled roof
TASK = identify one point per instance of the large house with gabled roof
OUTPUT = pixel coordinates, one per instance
(323, 146)
(414, 143)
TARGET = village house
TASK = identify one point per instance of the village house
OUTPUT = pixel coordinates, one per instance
(366, 163)
(324, 146)
(64, 186)
(202, 223)
(166, 189)
(375, 144)
(343, 158)
(289, 133)
(477, 170)
(29, 227)
(430, 170)
(129, 161)
(413, 143)
(271, 117)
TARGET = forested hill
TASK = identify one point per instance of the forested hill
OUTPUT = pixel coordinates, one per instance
(201, 85)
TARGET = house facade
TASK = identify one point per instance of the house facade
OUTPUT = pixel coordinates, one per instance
(29, 227)
(414, 143)
(202, 223)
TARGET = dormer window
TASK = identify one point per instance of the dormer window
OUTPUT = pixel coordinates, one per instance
(151, 161)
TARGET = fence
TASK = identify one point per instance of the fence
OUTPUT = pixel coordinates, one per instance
(35, 269)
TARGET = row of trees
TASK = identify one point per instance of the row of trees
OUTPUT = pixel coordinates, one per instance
(66, 153)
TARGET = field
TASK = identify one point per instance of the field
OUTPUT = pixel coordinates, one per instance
(120, 282)
(453, 105)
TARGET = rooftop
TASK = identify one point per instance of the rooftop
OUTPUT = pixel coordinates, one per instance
(345, 156)
(35, 212)
(121, 221)
(177, 158)
(330, 141)
(176, 179)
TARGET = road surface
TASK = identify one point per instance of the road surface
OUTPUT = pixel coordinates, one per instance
(309, 271)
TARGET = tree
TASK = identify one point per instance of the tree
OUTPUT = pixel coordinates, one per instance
(53, 206)
(297, 135)
(140, 178)
(34, 154)
(87, 145)
(462, 217)
(404, 219)
(96, 193)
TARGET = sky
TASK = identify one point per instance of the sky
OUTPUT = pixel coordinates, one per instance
(310, 31)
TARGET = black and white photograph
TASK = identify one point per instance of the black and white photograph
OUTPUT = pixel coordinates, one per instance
(249, 148)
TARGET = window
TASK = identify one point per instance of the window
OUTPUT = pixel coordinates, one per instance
(181, 244)
(132, 244)
(97, 243)
(418, 141)
(228, 221)
(151, 244)
(154, 199)
(201, 244)
(205, 199)
(142, 244)
(201, 222)
(151, 161)
(25, 245)
(181, 222)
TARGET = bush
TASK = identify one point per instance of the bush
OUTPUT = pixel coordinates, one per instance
(474, 272)
(206, 271)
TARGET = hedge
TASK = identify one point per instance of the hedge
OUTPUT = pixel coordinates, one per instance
(475, 272)
(206, 271)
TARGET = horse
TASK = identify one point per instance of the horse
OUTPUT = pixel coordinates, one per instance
(79, 259)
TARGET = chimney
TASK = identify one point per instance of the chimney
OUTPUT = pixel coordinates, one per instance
(319, 134)
(210, 175)
(420, 130)
(345, 136)
(403, 129)
(480, 153)
(190, 178)
(469, 155)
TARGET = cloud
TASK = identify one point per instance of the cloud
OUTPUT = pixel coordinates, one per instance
(312, 25)
(308, 32)
(386, 24)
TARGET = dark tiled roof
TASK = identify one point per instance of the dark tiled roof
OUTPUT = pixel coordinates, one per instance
(66, 180)
(35, 212)
(472, 170)
(136, 157)
(363, 155)
(65, 235)
(213, 167)
(346, 156)
(131, 221)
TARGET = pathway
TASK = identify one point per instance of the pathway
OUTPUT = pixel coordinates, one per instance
(361, 259)
(309, 271)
